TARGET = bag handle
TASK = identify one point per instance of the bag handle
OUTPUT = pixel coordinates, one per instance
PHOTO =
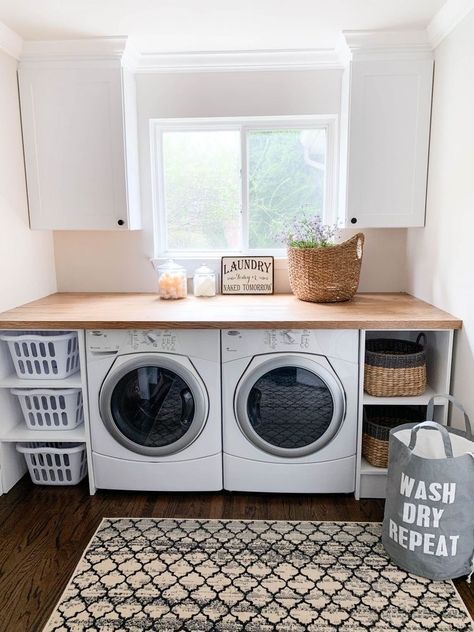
(450, 398)
(421, 340)
(432, 425)
(360, 245)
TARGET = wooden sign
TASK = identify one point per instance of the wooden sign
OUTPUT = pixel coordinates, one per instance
(247, 275)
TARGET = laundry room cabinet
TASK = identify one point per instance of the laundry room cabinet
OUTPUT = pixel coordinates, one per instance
(13, 428)
(78, 113)
(370, 480)
(385, 129)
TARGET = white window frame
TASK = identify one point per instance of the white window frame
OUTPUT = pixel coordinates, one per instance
(242, 125)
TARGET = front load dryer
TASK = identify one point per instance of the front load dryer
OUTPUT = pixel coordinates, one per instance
(290, 410)
(155, 409)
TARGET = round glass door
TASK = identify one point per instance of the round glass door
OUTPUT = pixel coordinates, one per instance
(290, 406)
(153, 405)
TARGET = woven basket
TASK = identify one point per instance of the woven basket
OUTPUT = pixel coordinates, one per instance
(378, 421)
(395, 368)
(326, 275)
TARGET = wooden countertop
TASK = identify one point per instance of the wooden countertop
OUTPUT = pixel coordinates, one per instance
(147, 311)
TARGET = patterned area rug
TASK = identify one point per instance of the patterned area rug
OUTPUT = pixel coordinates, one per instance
(231, 575)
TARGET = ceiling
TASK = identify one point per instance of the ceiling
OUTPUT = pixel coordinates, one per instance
(209, 25)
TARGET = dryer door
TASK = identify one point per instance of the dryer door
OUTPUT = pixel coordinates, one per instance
(289, 405)
(153, 404)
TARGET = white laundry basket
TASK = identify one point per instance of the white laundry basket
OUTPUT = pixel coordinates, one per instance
(55, 463)
(43, 355)
(51, 409)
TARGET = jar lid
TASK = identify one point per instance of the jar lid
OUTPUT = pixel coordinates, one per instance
(171, 266)
(204, 269)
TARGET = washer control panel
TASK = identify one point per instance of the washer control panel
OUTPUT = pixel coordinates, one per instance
(336, 343)
(155, 339)
(288, 338)
(113, 341)
(195, 343)
(265, 340)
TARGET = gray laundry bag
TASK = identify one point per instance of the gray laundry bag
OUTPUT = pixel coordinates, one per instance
(428, 526)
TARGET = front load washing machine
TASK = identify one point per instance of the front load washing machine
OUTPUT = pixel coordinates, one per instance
(155, 409)
(290, 410)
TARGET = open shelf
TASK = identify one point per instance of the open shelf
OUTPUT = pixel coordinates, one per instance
(417, 400)
(12, 381)
(21, 433)
(371, 481)
(367, 469)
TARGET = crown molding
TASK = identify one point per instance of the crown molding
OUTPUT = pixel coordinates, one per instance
(91, 51)
(10, 42)
(238, 61)
(448, 17)
(370, 45)
(111, 51)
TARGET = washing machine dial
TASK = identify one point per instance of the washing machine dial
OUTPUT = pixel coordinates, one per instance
(287, 337)
(152, 338)
(143, 338)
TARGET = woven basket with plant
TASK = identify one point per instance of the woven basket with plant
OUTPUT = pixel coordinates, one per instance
(321, 271)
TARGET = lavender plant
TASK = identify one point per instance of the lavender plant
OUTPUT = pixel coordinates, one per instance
(309, 232)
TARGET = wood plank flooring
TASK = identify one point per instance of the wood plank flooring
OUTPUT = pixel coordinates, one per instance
(43, 532)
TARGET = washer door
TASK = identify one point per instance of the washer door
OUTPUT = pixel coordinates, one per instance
(153, 405)
(290, 405)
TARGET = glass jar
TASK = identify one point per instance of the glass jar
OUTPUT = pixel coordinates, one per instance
(204, 281)
(172, 280)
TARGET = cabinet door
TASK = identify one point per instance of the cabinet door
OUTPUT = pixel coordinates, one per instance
(74, 147)
(389, 127)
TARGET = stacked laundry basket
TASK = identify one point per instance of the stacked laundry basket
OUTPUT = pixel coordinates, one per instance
(43, 357)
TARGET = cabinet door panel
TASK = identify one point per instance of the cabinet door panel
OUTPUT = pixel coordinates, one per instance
(389, 139)
(73, 136)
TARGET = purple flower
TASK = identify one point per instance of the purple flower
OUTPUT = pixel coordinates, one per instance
(309, 232)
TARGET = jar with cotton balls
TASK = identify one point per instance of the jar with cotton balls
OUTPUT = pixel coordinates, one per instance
(172, 280)
(204, 281)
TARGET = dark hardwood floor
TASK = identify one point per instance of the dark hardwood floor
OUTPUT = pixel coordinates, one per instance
(44, 530)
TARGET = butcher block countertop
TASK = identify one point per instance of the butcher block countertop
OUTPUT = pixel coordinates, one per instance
(284, 311)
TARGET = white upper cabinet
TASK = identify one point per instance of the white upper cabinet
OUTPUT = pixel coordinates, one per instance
(385, 129)
(80, 136)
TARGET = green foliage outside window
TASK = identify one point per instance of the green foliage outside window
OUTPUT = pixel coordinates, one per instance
(286, 177)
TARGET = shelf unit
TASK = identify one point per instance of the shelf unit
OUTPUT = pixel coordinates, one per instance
(20, 432)
(370, 480)
(12, 381)
(419, 400)
(12, 425)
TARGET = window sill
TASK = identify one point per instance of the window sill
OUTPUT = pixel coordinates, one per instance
(192, 262)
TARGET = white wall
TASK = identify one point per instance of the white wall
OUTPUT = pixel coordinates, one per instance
(26, 257)
(441, 256)
(120, 261)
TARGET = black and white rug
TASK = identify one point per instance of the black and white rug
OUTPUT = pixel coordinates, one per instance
(255, 576)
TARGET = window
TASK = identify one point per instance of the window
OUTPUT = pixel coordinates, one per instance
(232, 185)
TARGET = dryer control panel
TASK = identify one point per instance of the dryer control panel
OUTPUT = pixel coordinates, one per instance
(110, 340)
(336, 343)
(189, 342)
(295, 339)
(162, 340)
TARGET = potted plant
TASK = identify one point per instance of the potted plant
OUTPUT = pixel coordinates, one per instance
(320, 270)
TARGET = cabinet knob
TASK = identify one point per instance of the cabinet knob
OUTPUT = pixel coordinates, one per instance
(120, 222)
(354, 220)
